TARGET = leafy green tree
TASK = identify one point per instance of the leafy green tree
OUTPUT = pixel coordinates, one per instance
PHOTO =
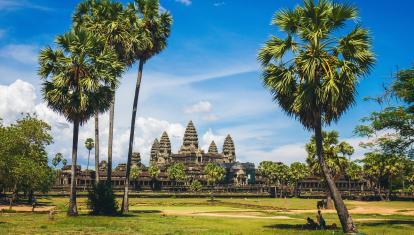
(89, 144)
(64, 162)
(110, 21)
(312, 73)
(335, 154)
(354, 171)
(154, 171)
(298, 171)
(196, 186)
(176, 172)
(404, 87)
(214, 174)
(23, 157)
(381, 168)
(57, 159)
(135, 171)
(152, 31)
(267, 170)
(77, 83)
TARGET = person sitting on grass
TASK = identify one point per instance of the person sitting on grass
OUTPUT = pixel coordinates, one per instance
(311, 224)
(320, 220)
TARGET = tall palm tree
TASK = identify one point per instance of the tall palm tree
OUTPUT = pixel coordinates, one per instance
(89, 144)
(77, 80)
(110, 21)
(152, 32)
(96, 118)
(313, 72)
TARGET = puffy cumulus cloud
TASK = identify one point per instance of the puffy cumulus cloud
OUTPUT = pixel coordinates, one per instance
(210, 136)
(25, 54)
(199, 107)
(185, 2)
(16, 98)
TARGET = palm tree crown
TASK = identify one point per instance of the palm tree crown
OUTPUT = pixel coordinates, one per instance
(314, 68)
(153, 28)
(78, 76)
(89, 144)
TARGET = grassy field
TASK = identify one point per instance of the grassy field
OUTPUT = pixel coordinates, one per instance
(200, 216)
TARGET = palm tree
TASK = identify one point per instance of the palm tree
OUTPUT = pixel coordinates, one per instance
(152, 32)
(77, 80)
(313, 72)
(89, 144)
(57, 159)
(96, 118)
(110, 21)
(214, 174)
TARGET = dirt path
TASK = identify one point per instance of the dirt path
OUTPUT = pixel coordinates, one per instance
(26, 208)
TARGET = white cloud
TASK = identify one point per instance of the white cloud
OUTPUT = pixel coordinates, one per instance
(199, 107)
(284, 153)
(16, 98)
(210, 136)
(26, 54)
(185, 2)
(20, 4)
(218, 4)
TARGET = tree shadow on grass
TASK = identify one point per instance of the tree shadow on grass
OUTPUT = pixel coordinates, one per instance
(296, 227)
(145, 211)
(387, 222)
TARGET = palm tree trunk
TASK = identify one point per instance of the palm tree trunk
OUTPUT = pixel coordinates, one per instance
(131, 137)
(110, 140)
(97, 148)
(73, 210)
(343, 214)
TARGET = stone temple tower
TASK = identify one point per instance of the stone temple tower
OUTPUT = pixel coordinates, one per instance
(190, 140)
(164, 153)
(154, 152)
(136, 159)
(229, 150)
(213, 148)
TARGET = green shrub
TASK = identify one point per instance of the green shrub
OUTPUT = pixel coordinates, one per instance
(196, 186)
(101, 200)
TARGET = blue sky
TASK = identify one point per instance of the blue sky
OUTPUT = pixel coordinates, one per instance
(208, 73)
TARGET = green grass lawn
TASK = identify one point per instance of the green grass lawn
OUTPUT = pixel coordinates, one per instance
(199, 216)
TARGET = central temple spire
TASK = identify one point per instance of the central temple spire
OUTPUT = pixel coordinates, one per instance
(190, 136)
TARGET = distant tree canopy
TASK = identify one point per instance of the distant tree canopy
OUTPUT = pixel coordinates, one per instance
(214, 173)
(23, 157)
(335, 154)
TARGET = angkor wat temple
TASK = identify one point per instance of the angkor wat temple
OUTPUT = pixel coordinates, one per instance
(190, 154)
(239, 176)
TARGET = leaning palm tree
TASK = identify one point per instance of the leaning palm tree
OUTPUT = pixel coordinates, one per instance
(313, 72)
(152, 30)
(110, 21)
(77, 80)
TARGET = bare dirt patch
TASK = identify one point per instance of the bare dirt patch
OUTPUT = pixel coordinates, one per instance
(27, 208)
